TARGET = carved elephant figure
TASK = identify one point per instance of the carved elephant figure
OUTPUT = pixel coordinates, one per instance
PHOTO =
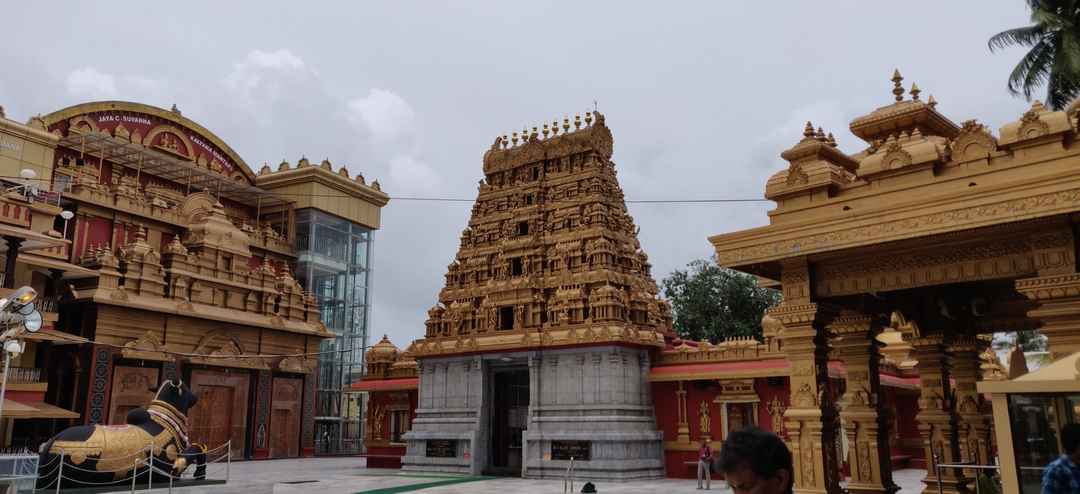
(95, 455)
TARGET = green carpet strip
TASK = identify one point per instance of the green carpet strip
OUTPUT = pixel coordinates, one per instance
(424, 485)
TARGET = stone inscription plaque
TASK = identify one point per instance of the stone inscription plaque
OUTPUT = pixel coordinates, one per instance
(564, 450)
(441, 448)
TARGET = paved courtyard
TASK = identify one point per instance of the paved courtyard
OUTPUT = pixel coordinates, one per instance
(349, 476)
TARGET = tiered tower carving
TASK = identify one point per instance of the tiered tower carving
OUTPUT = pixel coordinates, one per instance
(550, 256)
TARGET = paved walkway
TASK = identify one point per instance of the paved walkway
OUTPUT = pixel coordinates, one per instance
(348, 476)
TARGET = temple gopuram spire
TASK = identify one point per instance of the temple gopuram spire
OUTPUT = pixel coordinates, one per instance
(549, 233)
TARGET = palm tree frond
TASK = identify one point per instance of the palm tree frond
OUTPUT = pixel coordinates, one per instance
(1021, 36)
(1032, 71)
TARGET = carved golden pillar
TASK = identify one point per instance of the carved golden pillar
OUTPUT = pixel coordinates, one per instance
(811, 417)
(1058, 296)
(865, 419)
(680, 405)
(974, 417)
(936, 416)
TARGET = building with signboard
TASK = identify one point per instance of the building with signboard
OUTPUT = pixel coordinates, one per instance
(180, 262)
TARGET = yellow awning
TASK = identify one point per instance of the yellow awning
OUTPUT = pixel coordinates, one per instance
(35, 410)
(56, 336)
(71, 271)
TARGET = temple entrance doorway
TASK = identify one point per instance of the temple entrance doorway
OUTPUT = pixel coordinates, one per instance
(510, 408)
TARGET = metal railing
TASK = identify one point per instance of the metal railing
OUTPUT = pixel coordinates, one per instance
(24, 375)
(18, 470)
(147, 466)
(961, 466)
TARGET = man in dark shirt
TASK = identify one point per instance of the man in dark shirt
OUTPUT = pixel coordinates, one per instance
(1063, 475)
(704, 462)
(756, 462)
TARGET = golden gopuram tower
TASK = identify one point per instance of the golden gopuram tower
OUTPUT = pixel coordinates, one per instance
(538, 348)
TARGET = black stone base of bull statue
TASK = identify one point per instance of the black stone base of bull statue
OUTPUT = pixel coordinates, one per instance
(101, 455)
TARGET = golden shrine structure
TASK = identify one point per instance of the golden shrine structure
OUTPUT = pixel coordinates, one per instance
(159, 254)
(938, 231)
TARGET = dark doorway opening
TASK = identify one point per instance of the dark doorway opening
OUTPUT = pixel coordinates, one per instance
(506, 318)
(509, 415)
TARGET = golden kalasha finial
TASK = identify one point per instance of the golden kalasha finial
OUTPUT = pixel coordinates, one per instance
(534, 133)
(809, 130)
(588, 118)
(931, 102)
(555, 128)
(577, 122)
(915, 92)
(505, 142)
(898, 89)
(566, 124)
(546, 131)
(830, 140)
(820, 134)
(515, 138)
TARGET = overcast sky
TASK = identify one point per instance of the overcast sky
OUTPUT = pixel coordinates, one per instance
(701, 97)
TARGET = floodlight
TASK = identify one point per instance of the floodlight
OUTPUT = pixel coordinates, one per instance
(13, 346)
(22, 296)
(67, 215)
(27, 173)
(32, 321)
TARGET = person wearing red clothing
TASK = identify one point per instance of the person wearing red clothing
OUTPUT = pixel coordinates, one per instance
(704, 463)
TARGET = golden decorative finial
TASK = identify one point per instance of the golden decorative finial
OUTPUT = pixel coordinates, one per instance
(820, 135)
(505, 141)
(555, 128)
(588, 118)
(898, 89)
(931, 102)
(515, 138)
(915, 92)
(577, 122)
(809, 130)
(830, 140)
(546, 131)
(534, 133)
(566, 124)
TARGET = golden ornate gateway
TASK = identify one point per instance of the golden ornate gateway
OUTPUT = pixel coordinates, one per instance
(953, 231)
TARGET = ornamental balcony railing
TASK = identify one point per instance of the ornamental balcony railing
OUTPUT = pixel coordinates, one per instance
(25, 375)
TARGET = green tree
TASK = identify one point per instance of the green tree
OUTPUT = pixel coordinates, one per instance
(713, 303)
(1054, 57)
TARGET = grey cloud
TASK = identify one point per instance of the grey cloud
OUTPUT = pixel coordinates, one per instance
(701, 97)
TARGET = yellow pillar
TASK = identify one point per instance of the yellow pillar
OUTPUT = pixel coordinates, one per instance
(865, 420)
(811, 417)
(936, 416)
(973, 411)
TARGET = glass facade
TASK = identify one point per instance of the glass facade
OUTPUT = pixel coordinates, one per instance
(334, 262)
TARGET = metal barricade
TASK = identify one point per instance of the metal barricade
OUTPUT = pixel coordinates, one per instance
(961, 466)
(19, 470)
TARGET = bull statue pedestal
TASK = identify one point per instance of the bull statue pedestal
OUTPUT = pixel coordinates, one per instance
(96, 455)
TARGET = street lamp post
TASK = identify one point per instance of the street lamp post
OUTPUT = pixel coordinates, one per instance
(18, 314)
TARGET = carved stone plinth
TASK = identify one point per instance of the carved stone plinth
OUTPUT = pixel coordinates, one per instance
(975, 425)
(937, 418)
(861, 411)
(811, 417)
(1058, 297)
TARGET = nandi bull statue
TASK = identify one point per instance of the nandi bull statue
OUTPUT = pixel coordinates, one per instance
(103, 454)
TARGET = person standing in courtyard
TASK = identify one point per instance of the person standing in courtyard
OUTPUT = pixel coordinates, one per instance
(756, 462)
(1063, 474)
(704, 463)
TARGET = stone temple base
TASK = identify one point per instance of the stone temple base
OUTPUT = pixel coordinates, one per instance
(595, 399)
